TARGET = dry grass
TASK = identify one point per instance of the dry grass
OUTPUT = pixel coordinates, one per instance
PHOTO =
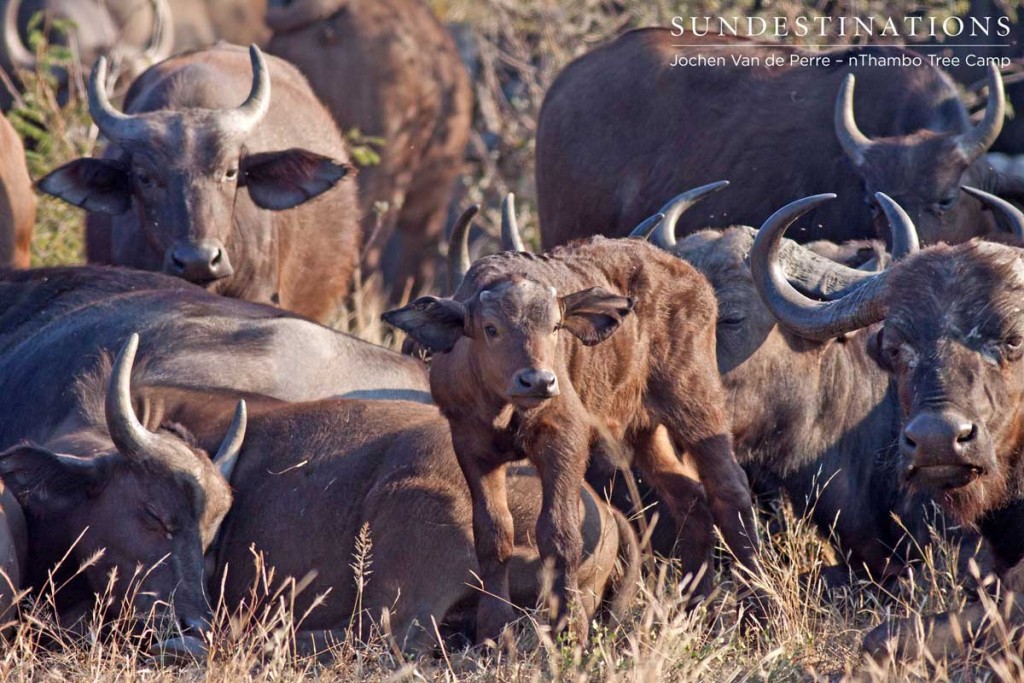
(521, 46)
(815, 636)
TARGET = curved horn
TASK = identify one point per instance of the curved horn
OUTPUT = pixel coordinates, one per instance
(511, 240)
(227, 454)
(248, 115)
(161, 41)
(901, 227)
(853, 142)
(647, 228)
(978, 139)
(816, 320)
(17, 54)
(130, 437)
(1013, 216)
(458, 248)
(664, 234)
(116, 126)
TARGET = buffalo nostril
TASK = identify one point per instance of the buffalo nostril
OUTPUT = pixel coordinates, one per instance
(908, 441)
(178, 263)
(522, 382)
(216, 257)
(967, 433)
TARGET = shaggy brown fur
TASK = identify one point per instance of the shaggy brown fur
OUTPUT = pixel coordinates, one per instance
(513, 386)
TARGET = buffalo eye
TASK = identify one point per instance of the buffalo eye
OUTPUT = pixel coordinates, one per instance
(155, 523)
(946, 204)
(731, 321)
(491, 331)
(1013, 345)
(145, 180)
(231, 174)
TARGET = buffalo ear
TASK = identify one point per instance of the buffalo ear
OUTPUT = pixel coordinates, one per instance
(48, 484)
(92, 184)
(282, 180)
(435, 323)
(594, 314)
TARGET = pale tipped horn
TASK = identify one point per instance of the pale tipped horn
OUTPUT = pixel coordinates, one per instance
(901, 227)
(511, 239)
(118, 127)
(458, 248)
(1014, 218)
(161, 40)
(249, 114)
(647, 227)
(17, 54)
(853, 142)
(806, 317)
(231, 446)
(664, 233)
(979, 138)
(129, 435)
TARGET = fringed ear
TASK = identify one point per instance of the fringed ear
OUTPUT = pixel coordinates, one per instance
(48, 484)
(435, 323)
(594, 314)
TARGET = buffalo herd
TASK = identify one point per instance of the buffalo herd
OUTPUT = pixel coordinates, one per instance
(177, 404)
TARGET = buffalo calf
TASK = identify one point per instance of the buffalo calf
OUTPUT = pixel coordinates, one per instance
(542, 357)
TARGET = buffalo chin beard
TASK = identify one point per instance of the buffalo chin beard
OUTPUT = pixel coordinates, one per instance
(969, 503)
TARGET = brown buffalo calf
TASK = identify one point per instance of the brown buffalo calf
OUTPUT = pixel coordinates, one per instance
(520, 373)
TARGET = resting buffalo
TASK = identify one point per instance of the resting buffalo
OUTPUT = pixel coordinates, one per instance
(54, 321)
(17, 200)
(388, 465)
(952, 340)
(132, 34)
(826, 433)
(620, 129)
(221, 194)
(390, 69)
(149, 500)
(545, 357)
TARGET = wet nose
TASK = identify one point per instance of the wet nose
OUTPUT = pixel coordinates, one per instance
(941, 446)
(200, 261)
(939, 434)
(535, 383)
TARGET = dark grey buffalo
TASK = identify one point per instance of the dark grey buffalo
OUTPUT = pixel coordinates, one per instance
(134, 508)
(253, 200)
(952, 337)
(621, 129)
(817, 419)
(54, 322)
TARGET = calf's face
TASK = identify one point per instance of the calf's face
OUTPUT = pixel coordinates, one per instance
(954, 340)
(511, 332)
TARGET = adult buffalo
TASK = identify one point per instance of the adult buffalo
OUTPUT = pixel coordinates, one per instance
(828, 435)
(621, 128)
(512, 386)
(17, 200)
(115, 509)
(54, 322)
(390, 69)
(952, 339)
(132, 34)
(225, 195)
(389, 466)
